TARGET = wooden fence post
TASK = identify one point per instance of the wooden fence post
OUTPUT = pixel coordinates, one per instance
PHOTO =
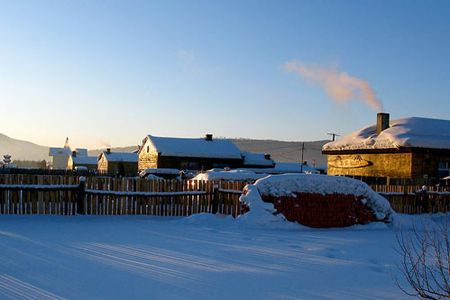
(80, 196)
(215, 199)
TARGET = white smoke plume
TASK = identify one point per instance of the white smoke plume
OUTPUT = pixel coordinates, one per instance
(340, 86)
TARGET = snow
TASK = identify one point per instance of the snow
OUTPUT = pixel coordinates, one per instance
(195, 147)
(153, 177)
(81, 152)
(199, 257)
(231, 175)
(406, 132)
(165, 171)
(121, 156)
(84, 160)
(285, 167)
(257, 159)
(53, 151)
(289, 184)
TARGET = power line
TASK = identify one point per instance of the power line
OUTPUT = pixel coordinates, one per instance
(334, 135)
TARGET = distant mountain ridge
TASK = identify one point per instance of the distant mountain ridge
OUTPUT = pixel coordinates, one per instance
(22, 150)
(279, 150)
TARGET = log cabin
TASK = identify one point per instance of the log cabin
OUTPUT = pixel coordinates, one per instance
(188, 153)
(410, 148)
(117, 163)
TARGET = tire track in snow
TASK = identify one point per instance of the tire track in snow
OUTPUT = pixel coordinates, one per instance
(15, 288)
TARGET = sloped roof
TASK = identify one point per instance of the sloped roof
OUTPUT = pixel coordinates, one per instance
(121, 156)
(256, 159)
(81, 152)
(54, 151)
(411, 132)
(84, 160)
(195, 147)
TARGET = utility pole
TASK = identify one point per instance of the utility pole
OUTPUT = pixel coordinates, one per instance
(301, 163)
(334, 135)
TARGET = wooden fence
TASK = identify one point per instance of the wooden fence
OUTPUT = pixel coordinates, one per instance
(67, 195)
(409, 199)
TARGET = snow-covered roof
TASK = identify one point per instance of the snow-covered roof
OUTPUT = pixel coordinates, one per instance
(81, 152)
(407, 132)
(165, 171)
(54, 151)
(285, 167)
(121, 156)
(84, 160)
(257, 159)
(195, 147)
(231, 175)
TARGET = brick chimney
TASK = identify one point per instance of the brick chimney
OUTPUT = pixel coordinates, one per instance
(208, 137)
(382, 122)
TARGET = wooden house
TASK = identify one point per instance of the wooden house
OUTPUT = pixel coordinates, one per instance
(80, 159)
(117, 163)
(188, 153)
(404, 148)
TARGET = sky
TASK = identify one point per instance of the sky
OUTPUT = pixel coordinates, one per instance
(110, 72)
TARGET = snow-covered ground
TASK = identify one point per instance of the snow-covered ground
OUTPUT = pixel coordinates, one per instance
(199, 257)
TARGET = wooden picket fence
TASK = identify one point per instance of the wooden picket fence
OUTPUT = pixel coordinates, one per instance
(67, 195)
(409, 199)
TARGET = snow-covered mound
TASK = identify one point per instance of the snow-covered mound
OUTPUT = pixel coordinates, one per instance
(290, 184)
(231, 175)
(406, 132)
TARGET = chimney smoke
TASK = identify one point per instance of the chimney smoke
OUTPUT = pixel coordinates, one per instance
(340, 86)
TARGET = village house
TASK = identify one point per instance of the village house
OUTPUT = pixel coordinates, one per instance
(61, 158)
(118, 163)
(404, 148)
(80, 160)
(188, 153)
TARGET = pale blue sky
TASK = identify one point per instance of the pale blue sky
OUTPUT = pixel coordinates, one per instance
(112, 71)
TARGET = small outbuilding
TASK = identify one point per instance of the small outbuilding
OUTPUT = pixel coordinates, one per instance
(118, 163)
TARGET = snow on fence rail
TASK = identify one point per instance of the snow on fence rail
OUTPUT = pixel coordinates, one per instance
(65, 195)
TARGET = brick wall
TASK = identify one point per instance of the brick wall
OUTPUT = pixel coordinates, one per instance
(322, 211)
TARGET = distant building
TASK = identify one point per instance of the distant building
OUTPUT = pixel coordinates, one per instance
(404, 148)
(60, 156)
(257, 160)
(118, 163)
(188, 153)
(80, 160)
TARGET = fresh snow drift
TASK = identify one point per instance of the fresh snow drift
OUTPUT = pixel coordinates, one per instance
(406, 132)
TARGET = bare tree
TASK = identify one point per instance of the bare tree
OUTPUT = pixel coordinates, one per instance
(425, 261)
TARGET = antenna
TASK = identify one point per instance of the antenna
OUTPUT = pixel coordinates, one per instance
(334, 135)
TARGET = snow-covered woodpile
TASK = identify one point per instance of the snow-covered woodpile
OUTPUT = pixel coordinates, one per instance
(316, 200)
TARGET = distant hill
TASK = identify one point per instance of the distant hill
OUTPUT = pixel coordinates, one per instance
(22, 150)
(286, 151)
